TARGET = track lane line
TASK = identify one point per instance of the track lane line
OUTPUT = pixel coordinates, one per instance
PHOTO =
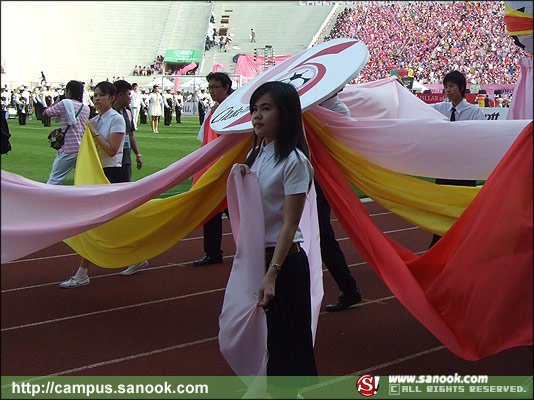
(134, 356)
(146, 303)
(187, 263)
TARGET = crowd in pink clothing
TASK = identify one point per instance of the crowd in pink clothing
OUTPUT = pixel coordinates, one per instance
(432, 38)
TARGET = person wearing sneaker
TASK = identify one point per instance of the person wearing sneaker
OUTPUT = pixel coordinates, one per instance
(331, 253)
(121, 105)
(108, 129)
(132, 269)
(220, 87)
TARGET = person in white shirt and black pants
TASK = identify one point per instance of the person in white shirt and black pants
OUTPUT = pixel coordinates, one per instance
(456, 109)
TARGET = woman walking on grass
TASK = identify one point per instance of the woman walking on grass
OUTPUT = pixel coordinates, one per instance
(155, 107)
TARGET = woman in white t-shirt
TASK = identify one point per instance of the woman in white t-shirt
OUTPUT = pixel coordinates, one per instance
(285, 175)
(108, 129)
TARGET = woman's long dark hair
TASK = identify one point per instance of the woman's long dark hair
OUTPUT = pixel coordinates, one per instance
(290, 135)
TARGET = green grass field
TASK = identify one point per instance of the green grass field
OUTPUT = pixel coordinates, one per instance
(32, 157)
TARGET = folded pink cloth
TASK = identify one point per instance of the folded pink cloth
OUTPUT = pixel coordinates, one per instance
(242, 325)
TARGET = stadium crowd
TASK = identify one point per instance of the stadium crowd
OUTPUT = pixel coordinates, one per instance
(429, 38)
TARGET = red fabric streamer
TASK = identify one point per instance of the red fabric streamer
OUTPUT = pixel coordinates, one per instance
(473, 289)
(515, 23)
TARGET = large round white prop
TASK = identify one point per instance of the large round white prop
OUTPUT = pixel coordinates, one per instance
(317, 73)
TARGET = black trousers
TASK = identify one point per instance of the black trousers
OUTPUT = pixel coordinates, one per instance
(213, 235)
(178, 115)
(167, 117)
(143, 117)
(47, 121)
(201, 112)
(455, 182)
(38, 111)
(22, 118)
(289, 335)
(331, 253)
(114, 174)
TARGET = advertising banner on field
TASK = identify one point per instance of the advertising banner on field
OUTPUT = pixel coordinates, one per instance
(190, 108)
(491, 113)
(495, 113)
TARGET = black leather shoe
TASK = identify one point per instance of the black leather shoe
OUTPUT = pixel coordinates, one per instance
(344, 301)
(206, 260)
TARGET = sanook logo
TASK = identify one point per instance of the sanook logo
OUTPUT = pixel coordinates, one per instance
(230, 113)
(367, 385)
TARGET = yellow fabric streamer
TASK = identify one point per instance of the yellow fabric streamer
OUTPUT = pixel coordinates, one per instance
(90, 171)
(427, 205)
(155, 226)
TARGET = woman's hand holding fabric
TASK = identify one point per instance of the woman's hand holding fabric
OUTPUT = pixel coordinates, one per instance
(267, 287)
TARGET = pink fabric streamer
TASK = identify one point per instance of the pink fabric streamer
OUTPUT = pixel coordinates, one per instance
(187, 68)
(33, 216)
(217, 66)
(242, 325)
(394, 129)
(522, 105)
(182, 71)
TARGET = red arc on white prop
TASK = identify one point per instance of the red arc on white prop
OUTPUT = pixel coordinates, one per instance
(317, 73)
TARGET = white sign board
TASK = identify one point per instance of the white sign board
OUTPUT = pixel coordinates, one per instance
(317, 73)
(190, 108)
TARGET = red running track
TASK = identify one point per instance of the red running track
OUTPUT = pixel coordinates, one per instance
(163, 321)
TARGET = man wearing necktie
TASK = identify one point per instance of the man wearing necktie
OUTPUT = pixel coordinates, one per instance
(457, 109)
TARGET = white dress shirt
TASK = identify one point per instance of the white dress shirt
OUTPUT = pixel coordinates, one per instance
(106, 124)
(464, 110)
(135, 99)
(290, 176)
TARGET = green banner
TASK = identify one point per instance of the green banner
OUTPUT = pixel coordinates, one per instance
(232, 387)
(182, 56)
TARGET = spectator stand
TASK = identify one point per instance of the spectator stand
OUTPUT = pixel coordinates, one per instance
(432, 38)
